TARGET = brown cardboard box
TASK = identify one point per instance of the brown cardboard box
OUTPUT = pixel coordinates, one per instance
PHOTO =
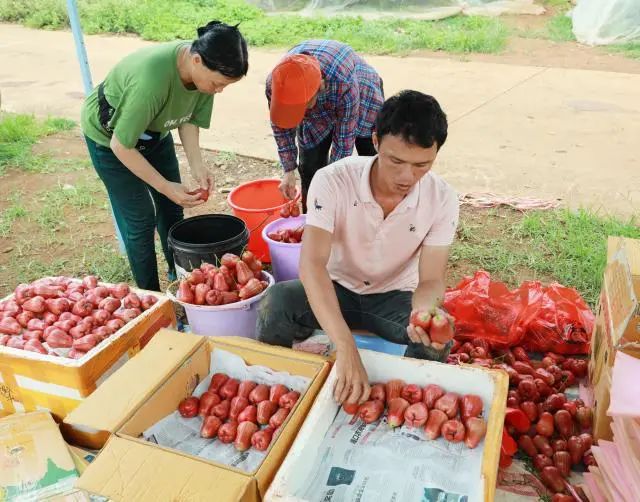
(149, 387)
(601, 397)
(617, 325)
(34, 459)
(30, 381)
(619, 312)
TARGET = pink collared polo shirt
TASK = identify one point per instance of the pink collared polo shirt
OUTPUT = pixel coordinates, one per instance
(370, 253)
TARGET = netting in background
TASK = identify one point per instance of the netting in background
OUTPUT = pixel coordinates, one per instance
(418, 9)
(604, 22)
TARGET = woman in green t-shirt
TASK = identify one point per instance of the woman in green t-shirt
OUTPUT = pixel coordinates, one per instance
(127, 121)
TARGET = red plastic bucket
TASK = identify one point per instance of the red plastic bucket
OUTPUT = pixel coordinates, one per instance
(258, 203)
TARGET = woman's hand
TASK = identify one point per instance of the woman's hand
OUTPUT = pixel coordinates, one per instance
(179, 194)
(204, 178)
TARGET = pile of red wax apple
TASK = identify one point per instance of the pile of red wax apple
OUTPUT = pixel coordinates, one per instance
(66, 317)
(456, 418)
(287, 235)
(235, 411)
(237, 278)
(547, 426)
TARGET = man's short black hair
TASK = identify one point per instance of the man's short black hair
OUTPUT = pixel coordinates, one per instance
(414, 116)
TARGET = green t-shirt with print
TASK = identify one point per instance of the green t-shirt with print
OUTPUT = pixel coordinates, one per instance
(146, 92)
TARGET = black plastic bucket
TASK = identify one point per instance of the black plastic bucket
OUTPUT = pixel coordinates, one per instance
(205, 239)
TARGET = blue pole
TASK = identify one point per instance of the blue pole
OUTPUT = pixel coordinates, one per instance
(81, 53)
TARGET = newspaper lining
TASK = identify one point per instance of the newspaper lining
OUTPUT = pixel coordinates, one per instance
(372, 462)
(183, 434)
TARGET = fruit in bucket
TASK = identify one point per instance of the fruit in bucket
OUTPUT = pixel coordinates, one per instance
(238, 278)
(287, 235)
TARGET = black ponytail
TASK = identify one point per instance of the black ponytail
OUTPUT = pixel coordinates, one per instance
(222, 48)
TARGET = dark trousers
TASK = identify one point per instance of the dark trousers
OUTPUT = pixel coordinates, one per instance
(138, 208)
(285, 316)
(315, 158)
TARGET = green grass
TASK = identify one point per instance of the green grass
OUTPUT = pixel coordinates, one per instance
(163, 20)
(226, 157)
(9, 215)
(560, 28)
(18, 134)
(80, 196)
(568, 246)
(100, 259)
(630, 50)
(557, 3)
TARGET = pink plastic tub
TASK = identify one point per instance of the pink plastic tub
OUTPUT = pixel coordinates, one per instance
(285, 257)
(235, 319)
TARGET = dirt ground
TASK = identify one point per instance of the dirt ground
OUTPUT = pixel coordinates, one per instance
(68, 242)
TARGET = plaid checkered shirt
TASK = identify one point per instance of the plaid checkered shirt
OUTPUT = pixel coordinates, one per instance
(346, 108)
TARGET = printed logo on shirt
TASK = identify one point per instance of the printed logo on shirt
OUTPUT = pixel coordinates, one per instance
(412, 228)
(177, 122)
(317, 206)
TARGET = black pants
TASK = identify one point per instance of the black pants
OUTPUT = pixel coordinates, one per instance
(318, 157)
(285, 316)
(138, 208)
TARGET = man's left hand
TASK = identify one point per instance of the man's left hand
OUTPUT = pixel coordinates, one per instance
(418, 335)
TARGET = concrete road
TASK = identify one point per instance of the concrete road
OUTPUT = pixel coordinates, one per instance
(515, 130)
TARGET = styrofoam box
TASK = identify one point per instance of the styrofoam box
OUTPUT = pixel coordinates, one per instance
(490, 385)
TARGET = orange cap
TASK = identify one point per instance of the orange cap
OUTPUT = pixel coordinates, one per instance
(294, 82)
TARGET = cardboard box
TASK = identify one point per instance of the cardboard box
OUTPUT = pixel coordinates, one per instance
(81, 457)
(30, 381)
(617, 326)
(149, 387)
(490, 385)
(35, 461)
(619, 299)
(601, 400)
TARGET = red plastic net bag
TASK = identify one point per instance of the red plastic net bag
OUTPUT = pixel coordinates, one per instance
(552, 318)
(487, 309)
(563, 324)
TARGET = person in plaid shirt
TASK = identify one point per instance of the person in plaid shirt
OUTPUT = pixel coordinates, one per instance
(327, 97)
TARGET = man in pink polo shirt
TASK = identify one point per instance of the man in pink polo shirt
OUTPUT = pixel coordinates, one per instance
(375, 247)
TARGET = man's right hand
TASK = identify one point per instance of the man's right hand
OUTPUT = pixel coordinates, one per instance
(352, 384)
(288, 185)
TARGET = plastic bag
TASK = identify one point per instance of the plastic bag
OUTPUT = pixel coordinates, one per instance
(487, 309)
(563, 323)
(603, 22)
(553, 318)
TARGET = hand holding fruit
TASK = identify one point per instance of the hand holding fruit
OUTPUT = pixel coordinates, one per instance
(291, 209)
(288, 185)
(432, 327)
(352, 382)
(204, 178)
(179, 194)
